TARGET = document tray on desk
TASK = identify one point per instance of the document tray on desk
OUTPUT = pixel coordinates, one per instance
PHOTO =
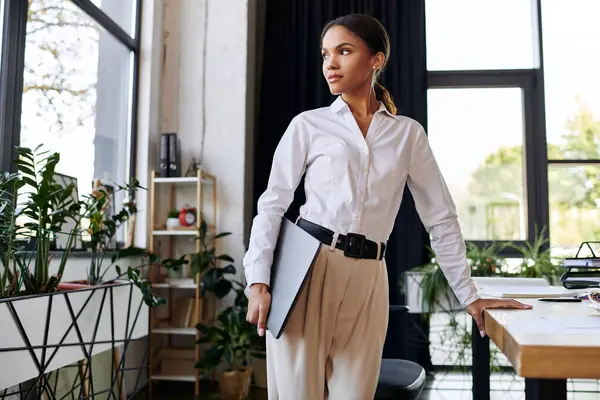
(582, 272)
(293, 260)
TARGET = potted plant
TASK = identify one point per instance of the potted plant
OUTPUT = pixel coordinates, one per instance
(536, 260)
(427, 289)
(172, 221)
(46, 208)
(101, 314)
(9, 279)
(232, 342)
(205, 262)
(102, 230)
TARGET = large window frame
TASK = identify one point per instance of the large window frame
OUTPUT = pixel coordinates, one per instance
(12, 67)
(531, 81)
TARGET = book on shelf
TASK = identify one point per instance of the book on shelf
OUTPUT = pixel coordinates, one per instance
(184, 315)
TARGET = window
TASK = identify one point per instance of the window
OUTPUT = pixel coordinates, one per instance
(486, 178)
(482, 119)
(572, 83)
(78, 70)
(120, 11)
(479, 35)
(76, 94)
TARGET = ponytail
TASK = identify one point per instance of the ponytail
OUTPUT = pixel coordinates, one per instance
(382, 94)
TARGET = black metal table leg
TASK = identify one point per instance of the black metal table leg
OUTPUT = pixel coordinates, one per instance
(481, 365)
(538, 389)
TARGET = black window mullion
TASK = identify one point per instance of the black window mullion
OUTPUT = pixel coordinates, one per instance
(107, 23)
(11, 79)
(534, 142)
(135, 95)
(507, 251)
(540, 149)
(478, 79)
(533, 149)
(575, 162)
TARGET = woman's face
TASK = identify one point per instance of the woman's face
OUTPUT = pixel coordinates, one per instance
(348, 65)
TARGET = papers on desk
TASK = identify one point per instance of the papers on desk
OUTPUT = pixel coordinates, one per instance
(575, 322)
(527, 292)
(532, 288)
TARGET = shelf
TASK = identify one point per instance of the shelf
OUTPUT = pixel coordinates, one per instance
(206, 178)
(175, 232)
(176, 284)
(183, 179)
(175, 331)
(181, 232)
(180, 378)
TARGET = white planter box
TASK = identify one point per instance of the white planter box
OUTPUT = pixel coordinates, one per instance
(414, 298)
(38, 332)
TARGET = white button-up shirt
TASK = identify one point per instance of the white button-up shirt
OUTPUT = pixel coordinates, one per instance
(355, 184)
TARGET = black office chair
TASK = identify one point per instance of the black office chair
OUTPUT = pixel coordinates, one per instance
(400, 379)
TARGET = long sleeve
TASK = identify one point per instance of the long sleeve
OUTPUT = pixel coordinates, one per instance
(438, 214)
(289, 164)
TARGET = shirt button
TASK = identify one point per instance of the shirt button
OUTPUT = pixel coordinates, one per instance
(360, 191)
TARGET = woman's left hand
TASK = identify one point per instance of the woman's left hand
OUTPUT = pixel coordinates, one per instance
(475, 309)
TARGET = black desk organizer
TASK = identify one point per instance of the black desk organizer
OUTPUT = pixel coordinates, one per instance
(582, 272)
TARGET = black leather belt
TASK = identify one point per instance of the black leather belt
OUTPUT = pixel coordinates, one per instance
(353, 244)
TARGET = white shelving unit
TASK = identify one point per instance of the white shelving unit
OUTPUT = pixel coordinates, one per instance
(202, 181)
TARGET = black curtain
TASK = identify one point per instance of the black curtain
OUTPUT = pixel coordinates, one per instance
(292, 82)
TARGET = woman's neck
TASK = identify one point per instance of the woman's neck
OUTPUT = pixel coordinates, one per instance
(362, 104)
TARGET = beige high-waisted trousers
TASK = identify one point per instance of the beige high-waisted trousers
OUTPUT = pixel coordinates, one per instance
(332, 345)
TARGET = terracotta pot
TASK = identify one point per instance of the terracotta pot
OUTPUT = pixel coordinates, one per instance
(235, 385)
(62, 286)
(82, 284)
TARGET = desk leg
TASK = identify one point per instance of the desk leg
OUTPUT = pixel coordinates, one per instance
(538, 389)
(481, 365)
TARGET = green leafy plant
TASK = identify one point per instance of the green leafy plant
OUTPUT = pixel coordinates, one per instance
(46, 209)
(134, 275)
(10, 277)
(483, 262)
(233, 340)
(102, 230)
(173, 214)
(48, 206)
(536, 259)
(205, 263)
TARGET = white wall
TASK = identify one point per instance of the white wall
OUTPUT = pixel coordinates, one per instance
(204, 88)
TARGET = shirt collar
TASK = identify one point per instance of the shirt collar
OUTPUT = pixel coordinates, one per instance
(339, 104)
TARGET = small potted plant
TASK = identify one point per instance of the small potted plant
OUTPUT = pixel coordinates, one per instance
(172, 220)
(232, 342)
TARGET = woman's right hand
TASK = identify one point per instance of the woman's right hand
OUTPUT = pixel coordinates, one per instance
(259, 302)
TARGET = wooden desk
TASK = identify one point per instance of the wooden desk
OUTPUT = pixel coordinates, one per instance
(541, 351)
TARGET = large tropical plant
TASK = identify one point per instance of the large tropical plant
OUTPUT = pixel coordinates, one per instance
(10, 276)
(46, 208)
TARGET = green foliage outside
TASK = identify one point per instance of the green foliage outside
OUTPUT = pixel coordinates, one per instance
(492, 211)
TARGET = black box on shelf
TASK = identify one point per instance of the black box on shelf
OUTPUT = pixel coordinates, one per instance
(169, 158)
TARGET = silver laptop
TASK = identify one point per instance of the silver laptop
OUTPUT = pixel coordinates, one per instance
(294, 257)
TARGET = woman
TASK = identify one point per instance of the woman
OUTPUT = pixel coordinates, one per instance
(357, 155)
